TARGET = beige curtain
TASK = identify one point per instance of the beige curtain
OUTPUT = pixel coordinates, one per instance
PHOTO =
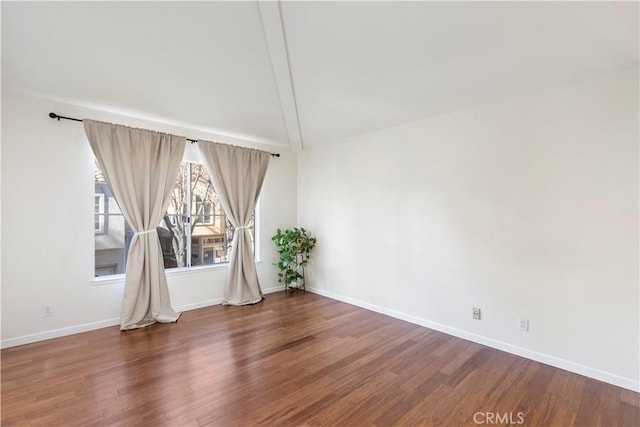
(141, 168)
(237, 175)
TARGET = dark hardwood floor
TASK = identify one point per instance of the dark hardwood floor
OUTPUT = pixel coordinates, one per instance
(297, 359)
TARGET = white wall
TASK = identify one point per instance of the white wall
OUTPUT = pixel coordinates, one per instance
(47, 239)
(524, 208)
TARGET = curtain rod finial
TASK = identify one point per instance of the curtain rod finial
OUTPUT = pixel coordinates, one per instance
(54, 116)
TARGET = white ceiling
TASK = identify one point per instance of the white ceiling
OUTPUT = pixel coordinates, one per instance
(310, 72)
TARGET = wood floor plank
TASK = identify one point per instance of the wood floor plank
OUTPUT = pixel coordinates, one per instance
(294, 359)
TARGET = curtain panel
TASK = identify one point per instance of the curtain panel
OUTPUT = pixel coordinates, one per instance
(141, 167)
(237, 175)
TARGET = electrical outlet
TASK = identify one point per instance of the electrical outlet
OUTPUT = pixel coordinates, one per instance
(47, 311)
(476, 313)
(523, 324)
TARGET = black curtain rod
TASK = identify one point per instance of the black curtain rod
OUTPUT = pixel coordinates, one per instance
(57, 116)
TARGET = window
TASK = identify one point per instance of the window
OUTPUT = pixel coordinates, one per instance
(98, 218)
(193, 231)
(205, 211)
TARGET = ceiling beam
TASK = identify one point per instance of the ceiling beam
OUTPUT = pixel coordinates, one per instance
(275, 36)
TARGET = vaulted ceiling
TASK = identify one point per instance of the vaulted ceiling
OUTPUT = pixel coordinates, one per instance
(303, 73)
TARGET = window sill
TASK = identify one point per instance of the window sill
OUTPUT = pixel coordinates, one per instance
(119, 278)
(108, 280)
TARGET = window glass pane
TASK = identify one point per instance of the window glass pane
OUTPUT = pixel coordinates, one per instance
(173, 240)
(208, 222)
(174, 228)
(112, 233)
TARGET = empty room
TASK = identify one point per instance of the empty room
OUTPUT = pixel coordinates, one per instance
(306, 213)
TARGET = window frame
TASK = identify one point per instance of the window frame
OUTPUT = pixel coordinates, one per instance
(99, 214)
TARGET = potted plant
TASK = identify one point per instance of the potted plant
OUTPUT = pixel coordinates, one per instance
(294, 247)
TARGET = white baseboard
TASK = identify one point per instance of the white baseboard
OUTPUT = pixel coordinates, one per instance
(567, 365)
(273, 289)
(200, 304)
(85, 327)
(56, 333)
